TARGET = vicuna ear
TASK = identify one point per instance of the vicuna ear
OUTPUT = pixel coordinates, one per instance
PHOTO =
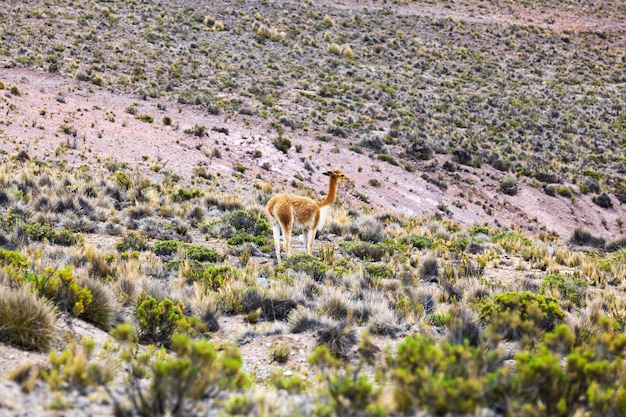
(328, 173)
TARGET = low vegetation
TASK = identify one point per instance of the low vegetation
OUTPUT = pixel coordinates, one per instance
(438, 294)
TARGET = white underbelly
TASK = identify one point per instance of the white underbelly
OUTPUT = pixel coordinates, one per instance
(323, 215)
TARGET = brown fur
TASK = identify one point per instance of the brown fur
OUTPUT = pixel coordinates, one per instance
(287, 210)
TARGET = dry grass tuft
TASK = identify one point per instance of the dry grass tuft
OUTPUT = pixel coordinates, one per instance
(26, 376)
(340, 338)
(26, 321)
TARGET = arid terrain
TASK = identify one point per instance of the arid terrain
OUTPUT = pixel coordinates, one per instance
(486, 137)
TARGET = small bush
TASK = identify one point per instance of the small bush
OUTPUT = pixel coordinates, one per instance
(248, 221)
(282, 144)
(63, 288)
(146, 118)
(248, 226)
(570, 288)
(511, 242)
(77, 367)
(201, 253)
(197, 130)
(166, 247)
(41, 232)
(81, 75)
(13, 259)
(132, 242)
(279, 352)
(308, 264)
(182, 194)
(101, 310)
(194, 371)
(387, 158)
(514, 314)
(376, 271)
(603, 200)
(508, 185)
(367, 251)
(444, 378)
(429, 268)
(158, 321)
(584, 238)
(26, 321)
(419, 242)
(215, 276)
(338, 338)
(347, 391)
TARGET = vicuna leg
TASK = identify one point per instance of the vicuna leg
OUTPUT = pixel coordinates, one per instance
(309, 237)
(287, 237)
(276, 233)
(305, 235)
(286, 222)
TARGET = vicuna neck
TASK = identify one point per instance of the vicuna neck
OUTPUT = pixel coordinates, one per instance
(332, 192)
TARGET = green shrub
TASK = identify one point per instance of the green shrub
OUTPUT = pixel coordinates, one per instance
(248, 221)
(40, 232)
(387, 158)
(166, 247)
(26, 321)
(560, 376)
(201, 253)
(242, 405)
(13, 259)
(479, 229)
(215, 276)
(347, 391)
(279, 352)
(419, 242)
(571, 288)
(511, 242)
(145, 118)
(197, 130)
(62, 287)
(78, 368)
(248, 226)
(513, 314)
(539, 379)
(373, 251)
(302, 262)
(193, 371)
(132, 242)
(292, 384)
(444, 378)
(282, 144)
(182, 195)
(159, 320)
(379, 270)
(67, 238)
